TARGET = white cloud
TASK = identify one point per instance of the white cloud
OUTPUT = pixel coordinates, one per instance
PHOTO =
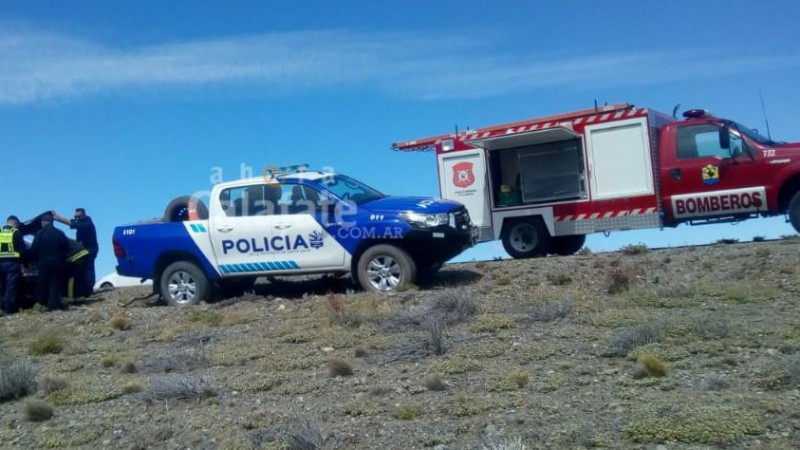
(37, 66)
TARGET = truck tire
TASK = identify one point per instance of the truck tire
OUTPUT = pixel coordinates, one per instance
(185, 208)
(384, 268)
(183, 283)
(525, 238)
(567, 245)
(794, 212)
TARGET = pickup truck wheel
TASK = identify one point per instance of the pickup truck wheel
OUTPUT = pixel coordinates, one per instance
(567, 245)
(525, 238)
(383, 268)
(183, 283)
(794, 212)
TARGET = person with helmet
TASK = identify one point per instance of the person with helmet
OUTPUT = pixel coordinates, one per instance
(12, 250)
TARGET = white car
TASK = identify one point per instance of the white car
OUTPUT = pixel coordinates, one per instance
(114, 280)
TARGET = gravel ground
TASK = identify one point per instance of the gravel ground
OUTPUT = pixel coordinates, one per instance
(654, 349)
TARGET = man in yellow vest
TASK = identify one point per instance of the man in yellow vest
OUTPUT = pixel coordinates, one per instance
(12, 249)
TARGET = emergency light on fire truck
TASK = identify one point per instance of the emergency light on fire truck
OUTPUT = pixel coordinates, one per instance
(541, 185)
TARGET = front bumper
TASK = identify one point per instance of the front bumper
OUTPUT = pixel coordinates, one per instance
(439, 244)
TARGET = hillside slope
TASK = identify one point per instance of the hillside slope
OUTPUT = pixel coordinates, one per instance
(687, 347)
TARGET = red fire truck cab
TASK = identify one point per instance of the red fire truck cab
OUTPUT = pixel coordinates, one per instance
(542, 185)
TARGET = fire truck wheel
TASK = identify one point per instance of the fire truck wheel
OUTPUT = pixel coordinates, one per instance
(794, 212)
(567, 245)
(525, 238)
(183, 283)
(383, 268)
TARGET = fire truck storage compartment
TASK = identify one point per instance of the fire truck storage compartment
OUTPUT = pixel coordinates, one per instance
(540, 166)
(619, 159)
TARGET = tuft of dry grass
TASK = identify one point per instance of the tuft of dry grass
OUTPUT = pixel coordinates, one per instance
(360, 352)
(407, 412)
(559, 278)
(434, 382)
(520, 377)
(624, 340)
(38, 410)
(128, 367)
(120, 322)
(436, 341)
(180, 388)
(109, 360)
(46, 343)
(51, 383)
(338, 367)
(549, 311)
(653, 365)
(622, 278)
(635, 249)
(132, 387)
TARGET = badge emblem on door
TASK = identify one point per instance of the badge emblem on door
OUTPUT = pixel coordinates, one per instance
(710, 174)
(462, 175)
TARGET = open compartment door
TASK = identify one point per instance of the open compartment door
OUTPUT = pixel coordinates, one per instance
(462, 178)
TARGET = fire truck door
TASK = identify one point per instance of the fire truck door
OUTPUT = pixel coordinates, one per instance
(462, 177)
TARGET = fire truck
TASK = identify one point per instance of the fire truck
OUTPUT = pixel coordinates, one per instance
(541, 185)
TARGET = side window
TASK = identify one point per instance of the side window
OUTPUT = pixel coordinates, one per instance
(255, 200)
(702, 141)
(298, 199)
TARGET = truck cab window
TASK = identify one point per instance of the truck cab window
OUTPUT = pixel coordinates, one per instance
(252, 200)
(702, 141)
(298, 199)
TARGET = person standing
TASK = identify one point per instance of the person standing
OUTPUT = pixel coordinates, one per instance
(86, 234)
(12, 251)
(51, 249)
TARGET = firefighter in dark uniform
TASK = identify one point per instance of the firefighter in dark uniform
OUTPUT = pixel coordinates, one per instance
(51, 249)
(12, 250)
(86, 234)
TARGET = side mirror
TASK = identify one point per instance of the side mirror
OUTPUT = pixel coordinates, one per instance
(724, 138)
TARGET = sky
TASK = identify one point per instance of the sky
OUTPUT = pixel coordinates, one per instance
(118, 107)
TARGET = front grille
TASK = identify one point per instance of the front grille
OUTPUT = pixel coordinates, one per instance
(461, 220)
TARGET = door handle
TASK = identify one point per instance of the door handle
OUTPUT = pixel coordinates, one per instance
(675, 174)
(282, 226)
(225, 229)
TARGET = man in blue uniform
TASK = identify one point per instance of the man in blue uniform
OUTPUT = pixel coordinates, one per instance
(12, 250)
(51, 249)
(86, 234)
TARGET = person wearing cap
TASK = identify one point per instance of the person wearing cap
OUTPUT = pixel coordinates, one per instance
(86, 234)
(51, 249)
(12, 251)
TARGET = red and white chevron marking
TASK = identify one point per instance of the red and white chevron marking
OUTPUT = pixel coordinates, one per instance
(596, 118)
(605, 215)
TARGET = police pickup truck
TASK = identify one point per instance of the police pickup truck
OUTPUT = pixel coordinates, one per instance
(294, 222)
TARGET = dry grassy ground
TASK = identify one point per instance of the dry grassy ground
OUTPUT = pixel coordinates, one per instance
(684, 348)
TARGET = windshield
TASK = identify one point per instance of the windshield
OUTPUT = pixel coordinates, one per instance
(347, 188)
(753, 134)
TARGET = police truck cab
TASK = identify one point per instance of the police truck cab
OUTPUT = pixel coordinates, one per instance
(291, 222)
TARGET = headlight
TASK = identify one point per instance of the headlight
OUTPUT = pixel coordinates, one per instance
(426, 220)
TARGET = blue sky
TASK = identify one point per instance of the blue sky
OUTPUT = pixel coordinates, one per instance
(120, 106)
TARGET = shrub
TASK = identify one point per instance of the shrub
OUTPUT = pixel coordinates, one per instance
(174, 361)
(653, 365)
(622, 278)
(51, 384)
(46, 343)
(359, 352)
(407, 412)
(434, 382)
(759, 239)
(763, 253)
(506, 444)
(494, 322)
(559, 278)
(546, 312)
(727, 241)
(436, 342)
(210, 318)
(626, 339)
(585, 251)
(453, 306)
(128, 367)
(304, 434)
(716, 383)
(784, 374)
(120, 322)
(635, 249)
(38, 410)
(338, 367)
(180, 388)
(17, 380)
(704, 425)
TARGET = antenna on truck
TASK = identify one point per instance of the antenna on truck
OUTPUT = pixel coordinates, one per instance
(675, 111)
(764, 111)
